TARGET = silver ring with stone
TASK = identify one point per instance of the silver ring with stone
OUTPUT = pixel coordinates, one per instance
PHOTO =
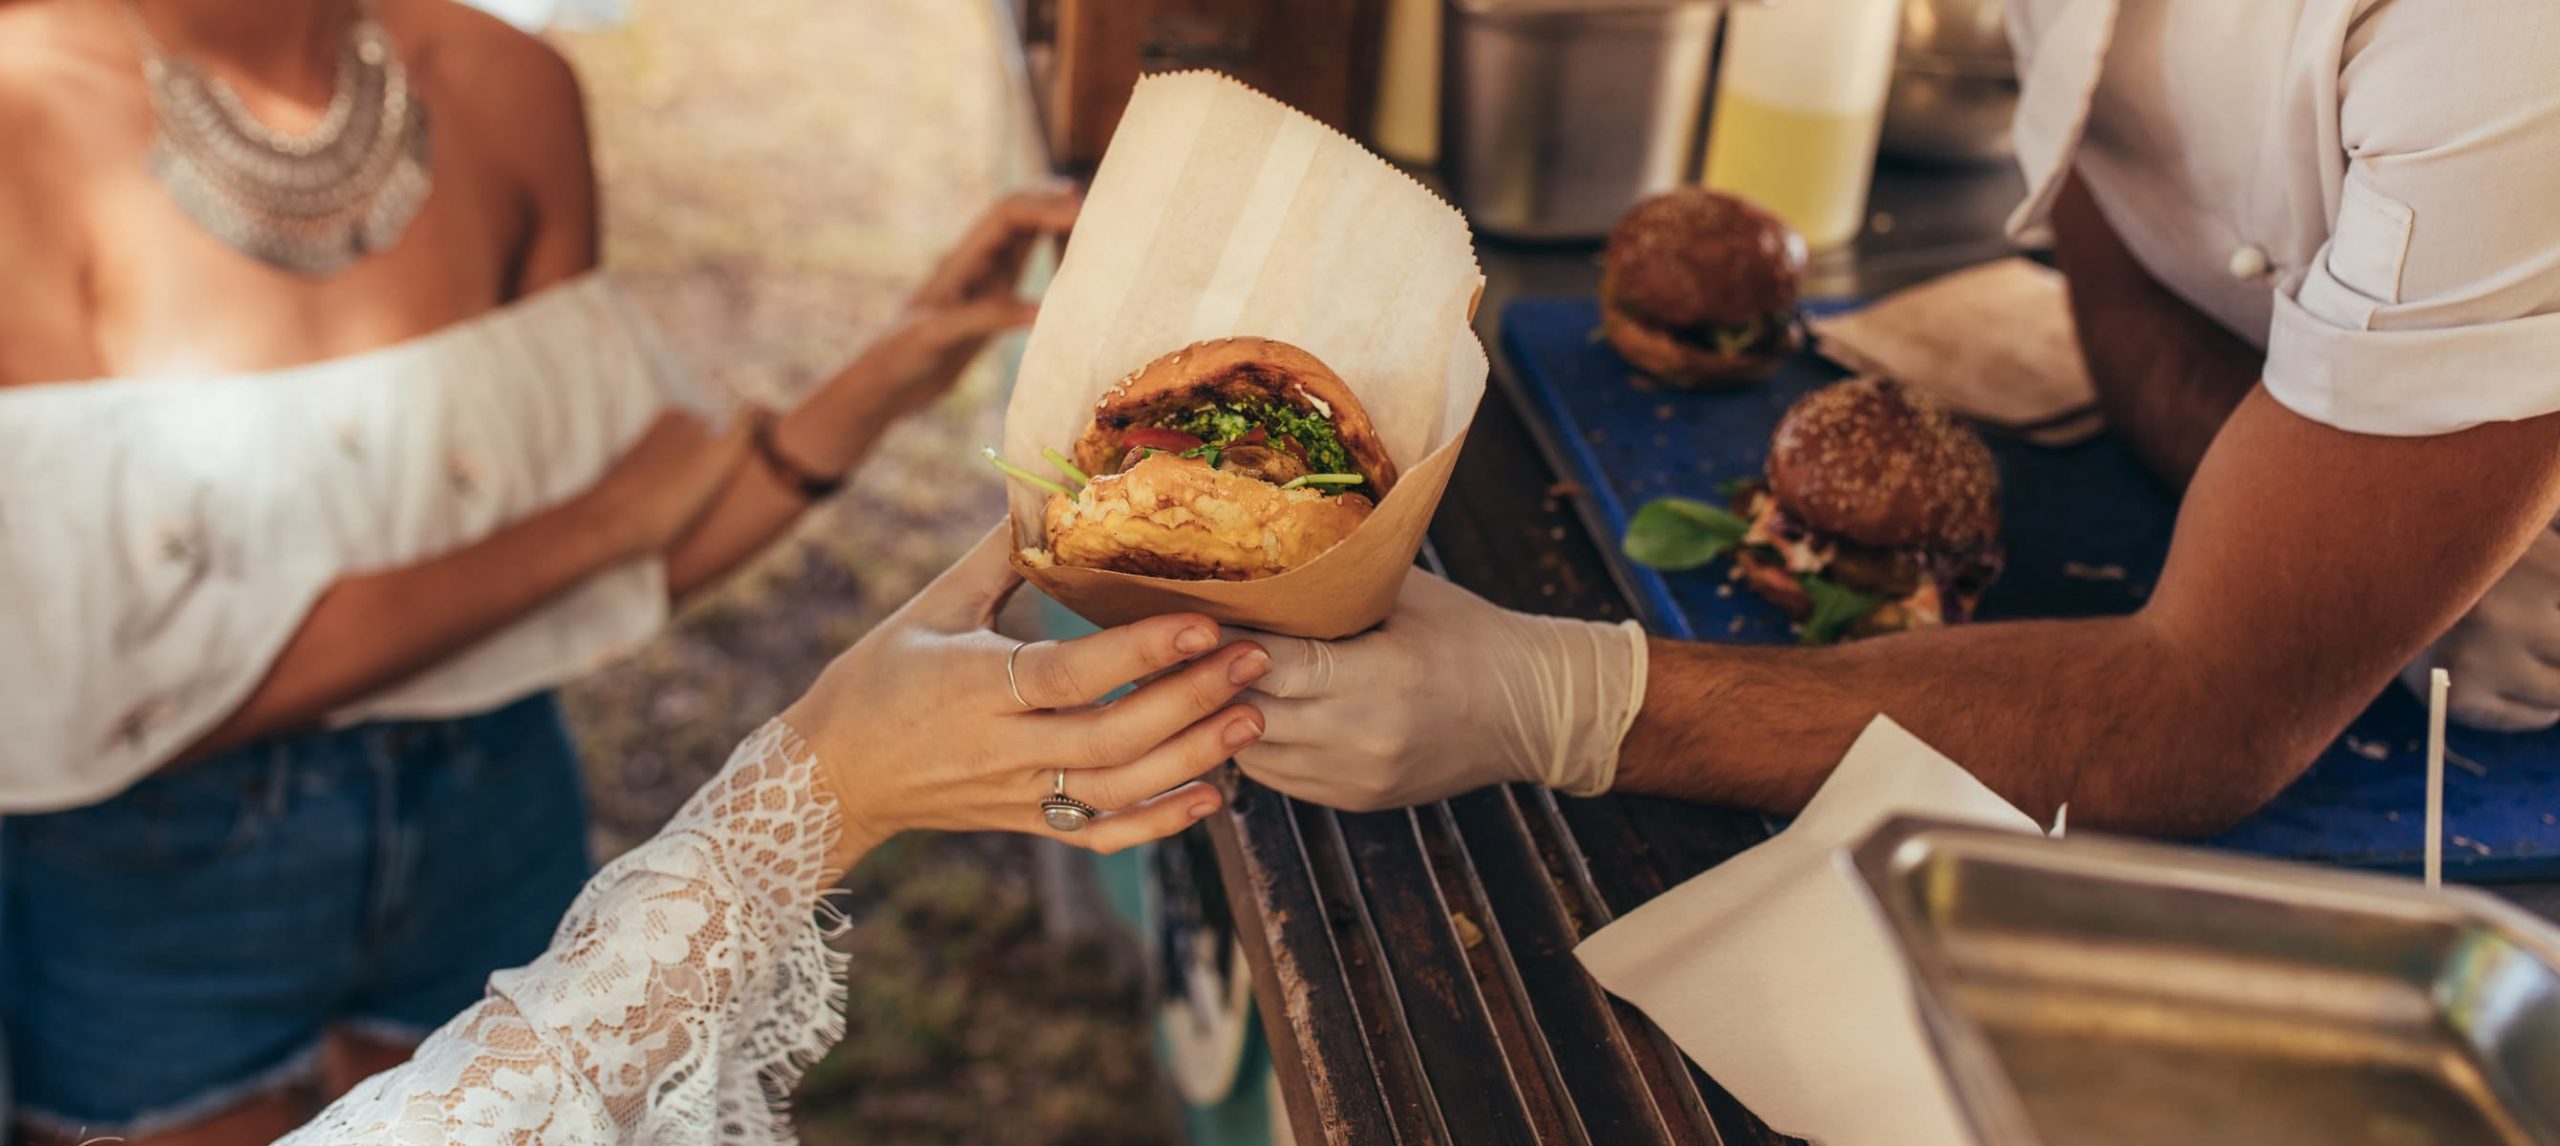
(1014, 682)
(1063, 812)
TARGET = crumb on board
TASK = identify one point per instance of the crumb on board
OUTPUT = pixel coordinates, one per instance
(2080, 572)
(1662, 413)
(1469, 935)
(1724, 590)
(2369, 749)
(2465, 763)
(1555, 533)
(1547, 589)
(2391, 817)
(1734, 625)
(1565, 489)
(1661, 440)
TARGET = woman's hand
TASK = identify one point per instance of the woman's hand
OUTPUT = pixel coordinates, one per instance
(967, 300)
(665, 481)
(916, 726)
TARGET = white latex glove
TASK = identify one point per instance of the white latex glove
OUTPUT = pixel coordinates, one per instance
(2505, 654)
(1450, 694)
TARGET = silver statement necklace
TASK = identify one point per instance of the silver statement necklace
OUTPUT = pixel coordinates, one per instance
(310, 202)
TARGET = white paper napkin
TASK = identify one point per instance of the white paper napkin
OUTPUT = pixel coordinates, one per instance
(1773, 973)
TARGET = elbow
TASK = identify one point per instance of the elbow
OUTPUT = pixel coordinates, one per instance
(2197, 788)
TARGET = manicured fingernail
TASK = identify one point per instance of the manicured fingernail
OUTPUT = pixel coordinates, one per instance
(1240, 732)
(1249, 667)
(1196, 639)
(1202, 809)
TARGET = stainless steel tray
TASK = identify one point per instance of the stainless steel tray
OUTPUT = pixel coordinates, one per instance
(2096, 992)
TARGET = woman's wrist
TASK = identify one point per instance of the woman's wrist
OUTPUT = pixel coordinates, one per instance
(856, 833)
(831, 429)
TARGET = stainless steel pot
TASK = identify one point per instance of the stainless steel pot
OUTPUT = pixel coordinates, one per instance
(1955, 84)
(1555, 115)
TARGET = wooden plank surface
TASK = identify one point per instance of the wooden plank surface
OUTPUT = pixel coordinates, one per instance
(1415, 970)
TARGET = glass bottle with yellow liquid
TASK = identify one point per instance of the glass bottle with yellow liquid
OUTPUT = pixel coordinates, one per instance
(1799, 107)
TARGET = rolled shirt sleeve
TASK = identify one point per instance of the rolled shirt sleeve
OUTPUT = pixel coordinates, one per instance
(2435, 304)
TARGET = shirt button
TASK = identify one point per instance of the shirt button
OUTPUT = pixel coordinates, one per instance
(2249, 261)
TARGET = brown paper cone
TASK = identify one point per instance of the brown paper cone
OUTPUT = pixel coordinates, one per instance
(1219, 212)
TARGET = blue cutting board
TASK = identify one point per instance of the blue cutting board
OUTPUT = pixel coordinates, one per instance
(2075, 519)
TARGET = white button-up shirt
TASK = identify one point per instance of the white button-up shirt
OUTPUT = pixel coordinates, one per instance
(2368, 189)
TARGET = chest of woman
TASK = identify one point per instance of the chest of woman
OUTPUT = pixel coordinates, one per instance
(168, 297)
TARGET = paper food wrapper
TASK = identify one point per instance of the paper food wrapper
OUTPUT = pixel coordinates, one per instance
(1994, 341)
(1218, 211)
(1773, 973)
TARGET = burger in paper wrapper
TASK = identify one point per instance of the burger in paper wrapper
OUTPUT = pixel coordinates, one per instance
(1251, 378)
(1231, 459)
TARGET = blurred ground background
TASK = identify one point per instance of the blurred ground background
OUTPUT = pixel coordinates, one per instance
(777, 174)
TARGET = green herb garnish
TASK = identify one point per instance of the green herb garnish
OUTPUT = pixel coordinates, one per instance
(1324, 479)
(1020, 474)
(1733, 340)
(1835, 608)
(1677, 533)
(1067, 466)
(1219, 426)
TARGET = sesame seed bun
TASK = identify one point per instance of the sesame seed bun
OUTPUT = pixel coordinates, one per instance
(1687, 264)
(1879, 464)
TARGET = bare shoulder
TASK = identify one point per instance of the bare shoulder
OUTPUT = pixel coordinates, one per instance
(517, 87)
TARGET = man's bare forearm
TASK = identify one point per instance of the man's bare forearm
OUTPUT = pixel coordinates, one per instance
(371, 631)
(2168, 375)
(2098, 712)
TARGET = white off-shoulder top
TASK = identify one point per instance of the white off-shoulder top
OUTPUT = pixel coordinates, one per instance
(162, 538)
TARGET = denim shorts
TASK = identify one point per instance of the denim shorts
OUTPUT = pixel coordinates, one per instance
(188, 943)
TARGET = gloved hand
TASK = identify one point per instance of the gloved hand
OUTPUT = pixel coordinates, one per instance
(2505, 654)
(1450, 694)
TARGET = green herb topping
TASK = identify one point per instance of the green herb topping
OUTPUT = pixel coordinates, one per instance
(1677, 533)
(1835, 608)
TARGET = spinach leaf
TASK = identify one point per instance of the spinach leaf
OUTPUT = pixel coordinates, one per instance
(1835, 608)
(1676, 533)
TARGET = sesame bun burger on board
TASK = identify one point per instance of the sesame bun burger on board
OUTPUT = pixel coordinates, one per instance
(1230, 460)
(1698, 288)
(1880, 512)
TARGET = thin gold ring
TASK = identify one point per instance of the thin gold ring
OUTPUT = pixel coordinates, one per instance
(1015, 682)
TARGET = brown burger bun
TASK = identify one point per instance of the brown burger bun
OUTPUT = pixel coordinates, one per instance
(1877, 463)
(1171, 516)
(1691, 261)
(1686, 364)
(1770, 578)
(1231, 369)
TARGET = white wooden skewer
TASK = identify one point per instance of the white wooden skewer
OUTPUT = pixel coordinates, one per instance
(2439, 683)
(2061, 819)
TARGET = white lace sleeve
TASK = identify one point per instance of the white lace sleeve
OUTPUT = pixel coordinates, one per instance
(683, 994)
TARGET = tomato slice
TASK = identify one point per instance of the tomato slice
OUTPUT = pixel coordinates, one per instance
(1253, 437)
(1159, 438)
